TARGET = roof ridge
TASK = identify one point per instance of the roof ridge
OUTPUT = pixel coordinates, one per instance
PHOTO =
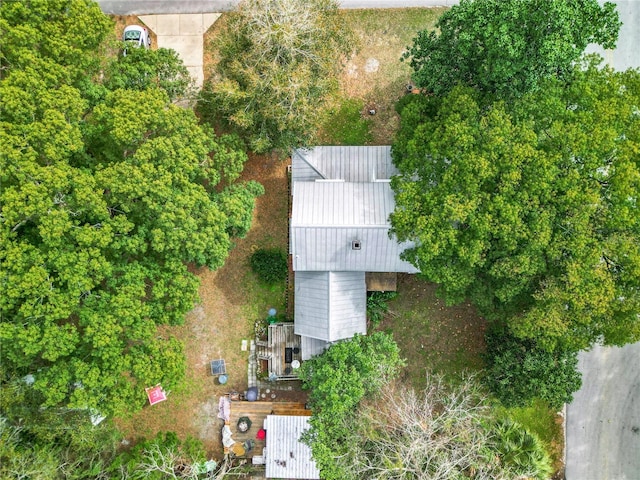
(305, 159)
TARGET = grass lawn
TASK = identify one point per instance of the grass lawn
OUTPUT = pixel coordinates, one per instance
(433, 337)
(375, 75)
(346, 124)
(450, 340)
(374, 78)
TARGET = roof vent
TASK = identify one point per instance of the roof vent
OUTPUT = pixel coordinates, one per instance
(356, 245)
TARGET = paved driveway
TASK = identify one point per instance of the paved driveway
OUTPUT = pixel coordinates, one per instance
(183, 33)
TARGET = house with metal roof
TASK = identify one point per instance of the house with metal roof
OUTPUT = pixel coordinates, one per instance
(285, 455)
(339, 234)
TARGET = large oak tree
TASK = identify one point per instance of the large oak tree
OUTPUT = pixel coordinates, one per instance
(277, 62)
(106, 196)
(506, 47)
(530, 209)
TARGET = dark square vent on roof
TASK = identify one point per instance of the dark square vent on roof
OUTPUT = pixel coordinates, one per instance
(356, 245)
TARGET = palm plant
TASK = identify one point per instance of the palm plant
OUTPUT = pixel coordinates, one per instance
(521, 450)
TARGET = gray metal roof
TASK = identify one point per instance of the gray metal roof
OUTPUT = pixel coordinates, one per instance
(342, 204)
(330, 306)
(339, 229)
(286, 456)
(327, 217)
(310, 347)
(325, 248)
(351, 164)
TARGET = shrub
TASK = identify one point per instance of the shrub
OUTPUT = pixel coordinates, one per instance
(520, 450)
(406, 100)
(377, 306)
(520, 370)
(270, 265)
(339, 379)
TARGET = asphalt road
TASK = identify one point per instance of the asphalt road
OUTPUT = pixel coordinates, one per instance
(130, 7)
(127, 7)
(603, 421)
(627, 52)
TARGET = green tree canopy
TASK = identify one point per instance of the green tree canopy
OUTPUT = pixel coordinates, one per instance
(530, 210)
(507, 47)
(104, 200)
(49, 443)
(144, 68)
(63, 33)
(519, 371)
(277, 63)
(339, 379)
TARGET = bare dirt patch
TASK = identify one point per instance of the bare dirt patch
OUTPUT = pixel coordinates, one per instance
(210, 51)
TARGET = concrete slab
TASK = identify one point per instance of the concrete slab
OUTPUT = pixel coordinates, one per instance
(150, 21)
(189, 47)
(209, 19)
(167, 25)
(184, 34)
(197, 73)
(192, 25)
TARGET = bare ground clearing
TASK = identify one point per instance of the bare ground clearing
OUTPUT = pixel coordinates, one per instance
(375, 73)
(431, 336)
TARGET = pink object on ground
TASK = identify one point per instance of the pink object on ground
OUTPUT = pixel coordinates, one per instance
(262, 434)
(156, 394)
(224, 408)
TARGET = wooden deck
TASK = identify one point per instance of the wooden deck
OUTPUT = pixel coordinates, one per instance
(257, 412)
(278, 350)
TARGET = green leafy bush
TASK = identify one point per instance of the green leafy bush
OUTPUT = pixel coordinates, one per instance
(408, 99)
(237, 201)
(520, 370)
(270, 265)
(377, 306)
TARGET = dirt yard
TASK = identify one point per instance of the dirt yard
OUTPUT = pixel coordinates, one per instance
(375, 74)
(431, 336)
